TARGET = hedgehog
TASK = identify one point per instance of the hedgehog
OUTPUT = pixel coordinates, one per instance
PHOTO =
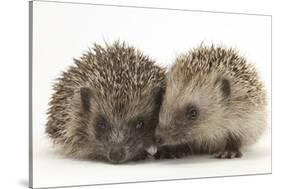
(105, 107)
(215, 103)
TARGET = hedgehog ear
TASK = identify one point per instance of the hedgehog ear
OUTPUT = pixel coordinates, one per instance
(158, 93)
(224, 86)
(85, 95)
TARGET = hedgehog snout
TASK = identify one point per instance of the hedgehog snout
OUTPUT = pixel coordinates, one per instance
(159, 137)
(117, 155)
(159, 140)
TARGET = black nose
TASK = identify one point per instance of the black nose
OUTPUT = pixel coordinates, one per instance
(116, 155)
(159, 140)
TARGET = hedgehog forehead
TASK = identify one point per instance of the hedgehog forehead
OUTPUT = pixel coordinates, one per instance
(118, 109)
(193, 90)
(184, 85)
(191, 93)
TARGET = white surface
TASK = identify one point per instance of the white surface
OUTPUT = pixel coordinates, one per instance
(14, 114)
(63, 35)
(51, 169)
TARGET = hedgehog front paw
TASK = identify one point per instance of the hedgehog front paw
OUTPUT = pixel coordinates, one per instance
(228, 154)
(165, 154)
(170, 152)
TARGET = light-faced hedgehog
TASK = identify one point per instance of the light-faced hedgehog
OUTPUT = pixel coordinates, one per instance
(106, 106)
(215, 103)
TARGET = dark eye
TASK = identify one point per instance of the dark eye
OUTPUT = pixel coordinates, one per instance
(101, 125)
(140, 124)
(192, 113)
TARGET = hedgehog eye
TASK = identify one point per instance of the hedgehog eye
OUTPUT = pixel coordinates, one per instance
(192, 112)
(140, 124)
(101, 125)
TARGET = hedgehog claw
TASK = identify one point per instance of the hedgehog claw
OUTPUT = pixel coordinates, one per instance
(228, 154)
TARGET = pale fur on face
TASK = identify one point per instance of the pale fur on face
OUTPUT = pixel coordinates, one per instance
(193, 80)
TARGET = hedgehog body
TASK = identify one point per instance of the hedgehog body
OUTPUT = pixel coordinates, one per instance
(106, 106)
(215, 102)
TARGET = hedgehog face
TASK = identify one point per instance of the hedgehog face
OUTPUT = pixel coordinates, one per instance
(118, 132)
(122, 140)
(192, 108)
(106, 106)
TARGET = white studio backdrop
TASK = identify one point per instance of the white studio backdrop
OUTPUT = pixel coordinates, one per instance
(63, 31)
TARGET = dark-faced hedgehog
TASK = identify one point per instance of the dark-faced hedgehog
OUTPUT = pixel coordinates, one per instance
(106, 106)
(215, 103)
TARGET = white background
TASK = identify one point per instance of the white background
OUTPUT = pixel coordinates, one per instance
(14, 94)
(63, 31)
